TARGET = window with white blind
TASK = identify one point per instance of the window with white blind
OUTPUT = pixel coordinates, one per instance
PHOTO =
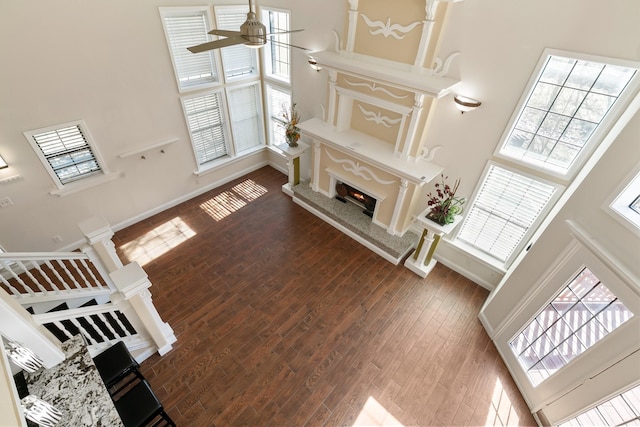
(277, 53)
(186, 27)
(278, 100)
(506, 207)
(205, 117)
(620, 410)
(569, 105)
(238, 62)
(66, 151)
(246, 116)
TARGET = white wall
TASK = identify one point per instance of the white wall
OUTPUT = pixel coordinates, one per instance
(107, 63)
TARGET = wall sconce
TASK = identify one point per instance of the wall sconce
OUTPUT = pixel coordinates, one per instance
(3, 164)
(314, 64)
(465, 104)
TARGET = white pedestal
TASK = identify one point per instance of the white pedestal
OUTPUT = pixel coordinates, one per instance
(293, 164)
(421, 261)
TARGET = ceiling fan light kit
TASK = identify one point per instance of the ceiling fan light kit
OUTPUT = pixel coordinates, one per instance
(253, 31)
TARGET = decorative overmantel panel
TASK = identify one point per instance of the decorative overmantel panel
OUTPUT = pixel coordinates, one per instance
(372, 137)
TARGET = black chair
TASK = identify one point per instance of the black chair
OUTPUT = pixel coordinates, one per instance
(138, 406)
(115, 364)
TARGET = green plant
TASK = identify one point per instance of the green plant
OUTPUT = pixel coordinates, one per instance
(444, 203)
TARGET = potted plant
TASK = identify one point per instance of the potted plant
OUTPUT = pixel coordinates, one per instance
(444, 205)
(291, 119)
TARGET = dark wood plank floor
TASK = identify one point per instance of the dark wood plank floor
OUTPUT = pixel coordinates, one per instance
(283, 320)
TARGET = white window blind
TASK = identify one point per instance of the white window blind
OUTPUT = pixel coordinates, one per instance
(246, 122)
(205, 118)
(67, 151)
(238, 61)
(505, 208)
(278, 99)
(185, 29)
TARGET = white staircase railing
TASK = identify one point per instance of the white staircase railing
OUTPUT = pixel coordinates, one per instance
(39, 277)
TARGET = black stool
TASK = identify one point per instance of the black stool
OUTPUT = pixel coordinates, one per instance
(115, 364)
(138, 406)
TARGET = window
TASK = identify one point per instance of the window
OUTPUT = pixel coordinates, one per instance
(186, 27)
(506, 207)
(279, 99)
(570, 104)
(66, 151)
(246, 116)
(583, 313)
(626, 206)
(277, 52)
(565, 106)
(623, 409)
(238, 61)
(205, 119)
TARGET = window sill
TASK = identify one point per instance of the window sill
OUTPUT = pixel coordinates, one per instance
(226, 161)
(83, 185)
(479, 256)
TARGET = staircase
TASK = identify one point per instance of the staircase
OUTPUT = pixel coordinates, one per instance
(89, 293)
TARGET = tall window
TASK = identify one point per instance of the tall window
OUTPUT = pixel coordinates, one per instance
(621, 410)
(583, 313)
(66, 152)
(277, 71)
(277, 52)
(205, 119)
(238, 61)
(569, 105)
(246, 116)
(185, 27)
(507, 205)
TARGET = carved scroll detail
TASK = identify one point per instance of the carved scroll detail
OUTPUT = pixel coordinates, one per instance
(441, 69)
(387, 29)
(378, 118)
(374, 88)
(357, 169)
(428, 154)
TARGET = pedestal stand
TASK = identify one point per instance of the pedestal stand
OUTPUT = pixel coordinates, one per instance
(293, 164)
(422, 262)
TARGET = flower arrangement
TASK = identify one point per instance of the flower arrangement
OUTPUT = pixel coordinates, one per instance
(444, 204)
(291, 119)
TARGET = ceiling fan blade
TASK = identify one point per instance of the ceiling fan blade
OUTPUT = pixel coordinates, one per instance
(288, 44)
(215, 45)
(285, 32)
(226, 33)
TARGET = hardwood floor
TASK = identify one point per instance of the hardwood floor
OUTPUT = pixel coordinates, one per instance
(283, 320)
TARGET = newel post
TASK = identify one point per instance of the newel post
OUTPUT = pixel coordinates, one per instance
(133, 285)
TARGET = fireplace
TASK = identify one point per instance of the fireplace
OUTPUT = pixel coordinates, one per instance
(347, 193)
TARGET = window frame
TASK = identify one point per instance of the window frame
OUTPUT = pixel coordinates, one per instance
(214, 55)
(618, 206)
(260, 119)
(218, 10)
(79, 181)
(228, 143)
(272, 117)
(486, 257)
(600, 132)
(268, 49)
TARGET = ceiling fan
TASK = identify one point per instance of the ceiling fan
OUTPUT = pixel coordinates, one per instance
(252, 34)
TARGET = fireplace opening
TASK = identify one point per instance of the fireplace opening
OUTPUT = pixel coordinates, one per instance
(347, 193)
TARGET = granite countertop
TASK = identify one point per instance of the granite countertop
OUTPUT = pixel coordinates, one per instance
(75, 388)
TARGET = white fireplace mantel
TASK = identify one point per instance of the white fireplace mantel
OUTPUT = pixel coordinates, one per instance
(371, 151)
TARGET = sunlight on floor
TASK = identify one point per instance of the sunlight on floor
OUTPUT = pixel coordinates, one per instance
(501, 411)
(226, 203)
(158, 241)
(374, 414)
